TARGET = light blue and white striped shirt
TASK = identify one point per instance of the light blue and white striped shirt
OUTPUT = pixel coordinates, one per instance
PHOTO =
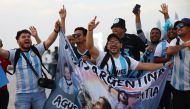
(26, 80)
(160, 51)
(181, 68)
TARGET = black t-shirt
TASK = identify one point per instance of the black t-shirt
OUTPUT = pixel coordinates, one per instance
(79, 55)
(133, 44)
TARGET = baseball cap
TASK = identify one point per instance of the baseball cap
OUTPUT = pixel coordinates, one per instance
(185, 21)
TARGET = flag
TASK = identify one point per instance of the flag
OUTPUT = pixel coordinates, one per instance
(80, 85)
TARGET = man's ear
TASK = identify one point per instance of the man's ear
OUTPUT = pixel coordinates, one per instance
(17, 42)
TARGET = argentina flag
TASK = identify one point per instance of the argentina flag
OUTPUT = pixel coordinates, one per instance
(82, 85)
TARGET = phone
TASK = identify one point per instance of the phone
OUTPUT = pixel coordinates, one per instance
(136, 8)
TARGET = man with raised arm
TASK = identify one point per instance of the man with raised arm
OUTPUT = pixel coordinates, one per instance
(155, 35)
(160, 56)
(28, 92)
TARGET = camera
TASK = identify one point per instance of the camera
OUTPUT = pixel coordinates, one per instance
(136, 9)
(46, 83)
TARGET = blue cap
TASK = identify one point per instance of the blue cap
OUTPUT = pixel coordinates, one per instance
(184, 20)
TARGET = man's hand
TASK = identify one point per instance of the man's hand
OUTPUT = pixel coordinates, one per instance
(33, 31)
(138, 13)
(93, 24)
(150, 48)
(164, 8)
(62, 13)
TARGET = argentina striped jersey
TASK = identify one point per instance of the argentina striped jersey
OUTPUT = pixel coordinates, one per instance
(26, 80)
(181, 69)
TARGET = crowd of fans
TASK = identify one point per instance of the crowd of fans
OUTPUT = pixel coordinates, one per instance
(125, 56)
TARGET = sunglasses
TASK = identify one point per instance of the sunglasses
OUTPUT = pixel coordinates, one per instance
(181, 25)
(77, 35)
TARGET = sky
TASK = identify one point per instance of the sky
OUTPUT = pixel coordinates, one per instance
(16, 15)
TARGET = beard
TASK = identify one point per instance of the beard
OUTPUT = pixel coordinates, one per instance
(25, 46)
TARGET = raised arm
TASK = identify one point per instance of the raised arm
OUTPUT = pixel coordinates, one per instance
(94, 52)
(139, 28)
(34, 33)
(164, 11)
(52, 37)
(62, 14)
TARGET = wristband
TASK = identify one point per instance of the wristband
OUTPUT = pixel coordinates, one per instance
(56, 31)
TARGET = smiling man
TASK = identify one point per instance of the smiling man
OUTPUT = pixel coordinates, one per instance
(28, 92)
(180, 80)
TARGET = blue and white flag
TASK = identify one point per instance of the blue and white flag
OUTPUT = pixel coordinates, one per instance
(3, 79)
(80, 85)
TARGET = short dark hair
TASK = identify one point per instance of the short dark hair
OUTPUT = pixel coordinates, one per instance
(22, 31)
(113, 35)
(82, 29)
(156, 29)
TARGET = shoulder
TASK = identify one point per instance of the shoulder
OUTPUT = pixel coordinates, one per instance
(173, 42)
(12, 54)
(161, 43)
(13, 51)
(100, 57)
(39, 45)
(133, 64)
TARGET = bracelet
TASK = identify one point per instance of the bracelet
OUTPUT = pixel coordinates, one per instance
(56, 31)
